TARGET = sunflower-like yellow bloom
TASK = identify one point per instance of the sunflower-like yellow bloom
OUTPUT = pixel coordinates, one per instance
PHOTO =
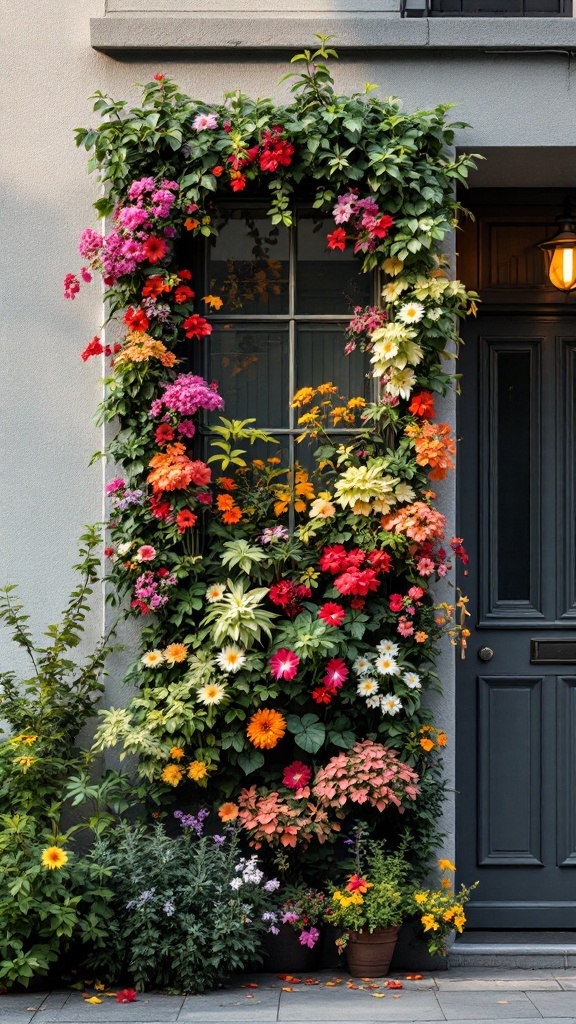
(54, 858)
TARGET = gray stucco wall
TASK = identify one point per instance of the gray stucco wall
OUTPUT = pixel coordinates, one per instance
(49, 69)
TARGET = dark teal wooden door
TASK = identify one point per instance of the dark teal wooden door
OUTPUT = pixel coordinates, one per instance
(516, 711)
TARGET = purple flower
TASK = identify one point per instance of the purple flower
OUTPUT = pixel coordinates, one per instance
(272, 533)
(219, 840)
(309, 938)
(271, 885)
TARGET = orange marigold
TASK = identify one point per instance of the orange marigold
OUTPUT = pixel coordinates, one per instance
(426, 743)
(232, 515)
(266, 728)
(228, 812)
(224, 502)
(227, 483)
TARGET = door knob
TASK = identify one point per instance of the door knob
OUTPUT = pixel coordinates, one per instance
(485, 654)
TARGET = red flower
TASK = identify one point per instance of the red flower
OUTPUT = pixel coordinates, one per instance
(381, 561)
(357, 581)
(217, 170)
(296, 775)
(158, 78)
(183, 293)
(382, 226)
(289, 596)
(321, 695)
(396, 602)
(136, 319)
(93, 348)
(415, 593)
(357, 603)
(159, 508)
(185, 519)
(155, 286)
(422, 405)
(127, 995)
(196, 326)
(237, 181)
(71, 286)
(337, 240)
(164, 434)
(357, 884)
(108, 552)
(333, 559)
(284, 664)
(332, 614)
(184, 275)
(205, 497)
(200, 473)
(336, 674)
(154, 249)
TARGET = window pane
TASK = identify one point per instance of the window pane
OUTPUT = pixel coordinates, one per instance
(250, 363)
(320, 358)
(248, 264)
(513, 475)
(327, 281)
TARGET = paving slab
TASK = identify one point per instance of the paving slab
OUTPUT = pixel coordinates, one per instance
(232, 1005)
(476, 980)
(554, 1004)
(145, 1010)
(343, 1004)
(490, 1005)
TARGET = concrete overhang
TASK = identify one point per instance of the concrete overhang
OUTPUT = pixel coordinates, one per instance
(188, 34)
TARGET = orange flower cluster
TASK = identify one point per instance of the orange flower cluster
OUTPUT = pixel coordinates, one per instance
(231, 513)
(302, 492)
(142, 347)
(418, 521)
(172, 470)
(431, 737)
(434, 447)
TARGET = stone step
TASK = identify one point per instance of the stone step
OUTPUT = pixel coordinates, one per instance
(522, 955)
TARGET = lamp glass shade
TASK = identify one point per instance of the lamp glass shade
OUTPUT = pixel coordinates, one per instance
(560, 253)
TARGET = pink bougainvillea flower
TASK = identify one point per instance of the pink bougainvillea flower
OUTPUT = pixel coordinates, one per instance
(296, 775)
(309, 937)
(284, 664)
(126, 995)
(71, 286)
(146, 553)
(336, 674)
(332, 614)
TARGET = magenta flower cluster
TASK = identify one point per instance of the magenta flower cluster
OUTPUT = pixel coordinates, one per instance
(186, 395)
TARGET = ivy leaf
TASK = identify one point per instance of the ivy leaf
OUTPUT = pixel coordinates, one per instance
(309, 732)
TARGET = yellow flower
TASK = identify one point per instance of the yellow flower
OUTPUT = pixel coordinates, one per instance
(172, 774)
(430, 923)
(213, 300)
(274, 460)
(446, 865)
(175, 653)
(459, 922)
(448, 914)
(176, 753)
(26, 762)
(197, 770)
(29, 739)
(54, 858)
(327, 389)
(303, 397)
(392, 266)
(420, 897)
(258, 464)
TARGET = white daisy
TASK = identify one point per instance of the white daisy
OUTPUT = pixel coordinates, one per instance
(231, 658)
(215, 593)
(386, 665)
(212, 693)
(412, 680)
(390, 704)
(361, 666)
(152, 659)
(411, 313)
(367, 687)
(388, 647)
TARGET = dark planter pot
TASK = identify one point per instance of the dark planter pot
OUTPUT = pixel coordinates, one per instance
(369, 953)
(411, 953)
(283, 952)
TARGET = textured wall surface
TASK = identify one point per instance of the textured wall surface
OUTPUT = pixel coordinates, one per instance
(49, 69)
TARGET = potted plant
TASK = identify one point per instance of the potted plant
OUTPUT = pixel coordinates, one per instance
(370, 909)
(298, 945)
(441, 911)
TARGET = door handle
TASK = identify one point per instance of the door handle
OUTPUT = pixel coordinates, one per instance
(485, 654)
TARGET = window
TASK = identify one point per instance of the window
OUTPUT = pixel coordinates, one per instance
(287, 301)
(487, 8)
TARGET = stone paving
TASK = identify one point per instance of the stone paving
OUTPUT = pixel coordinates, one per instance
(480, 996)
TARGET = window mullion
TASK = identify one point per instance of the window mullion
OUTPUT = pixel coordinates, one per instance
(292, 364)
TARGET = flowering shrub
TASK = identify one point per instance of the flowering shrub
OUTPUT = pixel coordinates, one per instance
(187, 911)
(304, 909)
(299, 602)
(441, 911)
(379, 897)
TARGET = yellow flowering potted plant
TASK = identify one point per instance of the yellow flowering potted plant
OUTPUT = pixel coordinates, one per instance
(441, 910)
(370, 909)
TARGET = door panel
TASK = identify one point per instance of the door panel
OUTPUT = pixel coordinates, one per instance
(516, 712)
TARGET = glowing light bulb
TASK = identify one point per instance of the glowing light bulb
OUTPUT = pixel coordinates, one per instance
(567, 266)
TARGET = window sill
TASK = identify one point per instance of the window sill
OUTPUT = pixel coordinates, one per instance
(124, 35)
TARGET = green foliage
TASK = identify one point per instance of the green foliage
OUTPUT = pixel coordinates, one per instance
(178, 922)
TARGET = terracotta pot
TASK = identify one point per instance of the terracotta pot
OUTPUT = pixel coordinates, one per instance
(283, 952)
(369, 953)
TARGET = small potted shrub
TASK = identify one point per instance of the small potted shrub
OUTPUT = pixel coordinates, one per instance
(441, 911)
(370, 909)
(298, 945)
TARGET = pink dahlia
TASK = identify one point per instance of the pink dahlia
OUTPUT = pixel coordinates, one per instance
(284, 664)
(296, 775)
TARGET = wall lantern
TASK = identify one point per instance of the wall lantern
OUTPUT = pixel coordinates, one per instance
(560, 252)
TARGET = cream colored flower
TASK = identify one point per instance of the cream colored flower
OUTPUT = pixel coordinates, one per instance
(386, 665)
(404, 492)
(392, 266)
(215, 593)
(390, 704)
(231, 658)
(401, 383)
(321, 508)
(367, 687)
(388, 647)
(152, 659)
(212, 693)
(412, 680)
(123, 549)
(394, 289)
(411, 313)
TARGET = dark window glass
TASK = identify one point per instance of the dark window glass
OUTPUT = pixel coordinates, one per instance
(250, 363)
(248, 264)
(319, 358)
(491, 8)
(513, 469)
(327, 281)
